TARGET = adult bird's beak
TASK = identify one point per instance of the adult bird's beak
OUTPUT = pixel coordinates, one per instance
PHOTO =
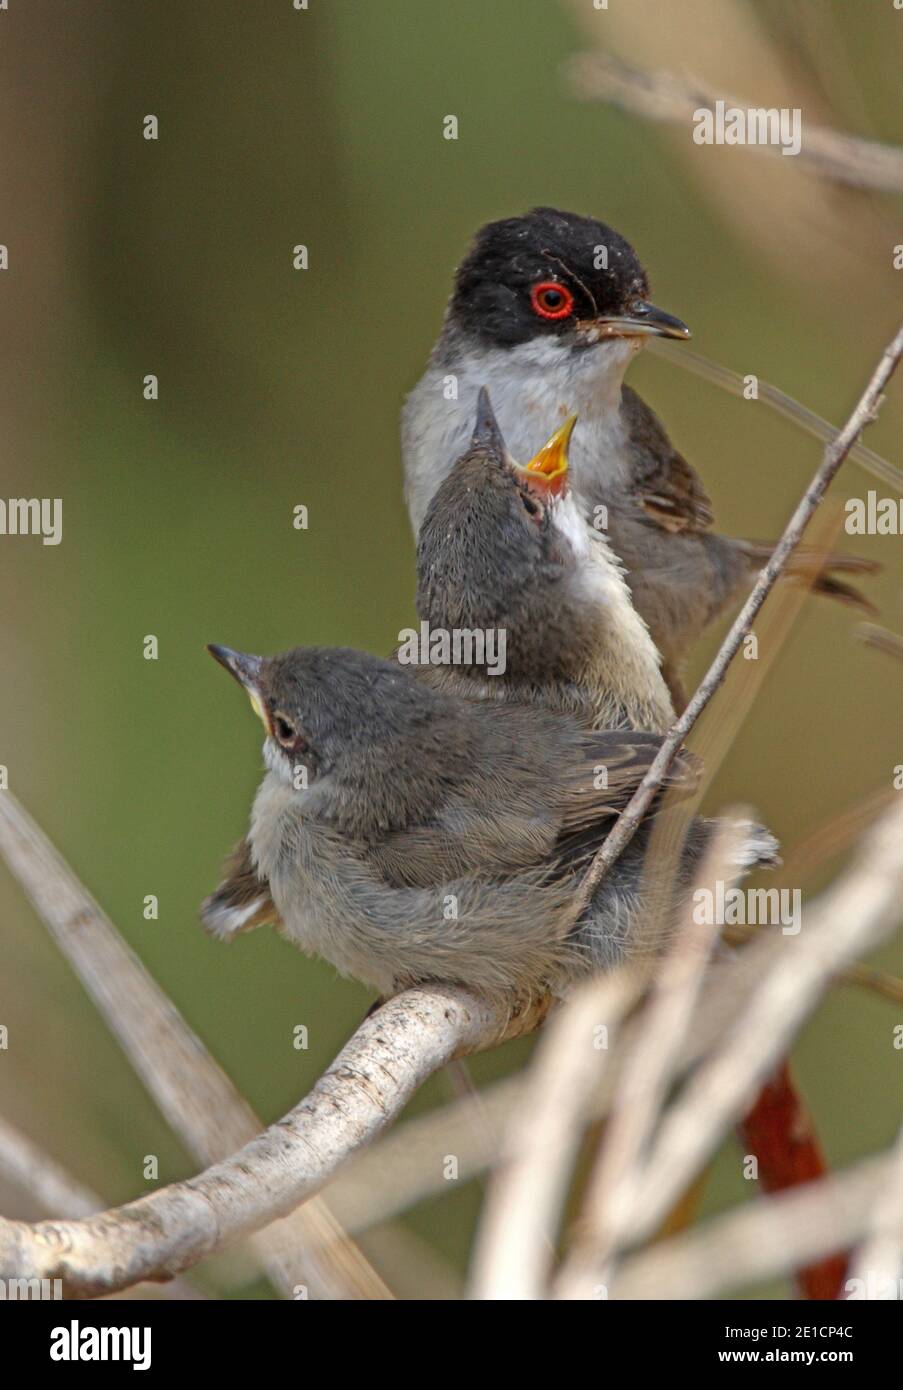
(246, 670)
(643, 321)
(549, 468)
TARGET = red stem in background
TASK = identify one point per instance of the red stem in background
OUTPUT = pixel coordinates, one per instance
(778, 1130)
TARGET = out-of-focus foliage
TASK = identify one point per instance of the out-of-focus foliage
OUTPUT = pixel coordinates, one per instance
(281, 387)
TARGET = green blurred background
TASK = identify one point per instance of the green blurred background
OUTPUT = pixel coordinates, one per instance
(280, 387)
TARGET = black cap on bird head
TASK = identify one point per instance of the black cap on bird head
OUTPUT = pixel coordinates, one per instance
(555, 274)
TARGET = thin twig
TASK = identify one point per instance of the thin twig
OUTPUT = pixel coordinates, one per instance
(882, 639)
(835, 453)
(878, 981)
(777, 400)
(832, 837)
(864, 976)
(662, 96)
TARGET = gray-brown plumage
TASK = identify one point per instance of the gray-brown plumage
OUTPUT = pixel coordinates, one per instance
(548, 311)
(438, 838)
(241, 901)
(504, 548)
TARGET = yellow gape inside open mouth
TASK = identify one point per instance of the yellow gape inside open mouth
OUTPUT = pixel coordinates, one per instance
(258, 708)
(550, 465)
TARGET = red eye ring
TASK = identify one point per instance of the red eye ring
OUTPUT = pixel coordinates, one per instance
(551, 300)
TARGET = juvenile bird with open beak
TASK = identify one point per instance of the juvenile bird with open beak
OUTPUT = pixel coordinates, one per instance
(548, 310)
(504, 547)
(405, 835)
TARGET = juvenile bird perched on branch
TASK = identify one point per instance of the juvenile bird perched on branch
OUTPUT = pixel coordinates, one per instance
(505, 547)
(405, 835)
(548, 311)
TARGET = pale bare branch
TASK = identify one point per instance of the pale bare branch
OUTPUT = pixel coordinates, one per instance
(190, 1088)
(856, 913)
(878, 1266)
(56, 1192)
(517, 1233)
(367, 1085)
(759, 1241)
(41, 1177)
(662, 96)
(406, 1166)
(608, 1210)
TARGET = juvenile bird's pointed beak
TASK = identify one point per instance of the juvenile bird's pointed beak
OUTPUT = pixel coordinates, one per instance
(549, 468)
(246, 670)
(486, 432)
(643, 321)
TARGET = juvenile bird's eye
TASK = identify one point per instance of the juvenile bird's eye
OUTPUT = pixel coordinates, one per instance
(286, 734)
(551, 300)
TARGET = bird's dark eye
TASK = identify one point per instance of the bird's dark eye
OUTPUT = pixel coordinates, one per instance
(551, 300)
(287, 735)
(532, 508)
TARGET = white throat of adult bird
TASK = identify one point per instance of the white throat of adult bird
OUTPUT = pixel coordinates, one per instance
(625, 663)
(530, 385)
